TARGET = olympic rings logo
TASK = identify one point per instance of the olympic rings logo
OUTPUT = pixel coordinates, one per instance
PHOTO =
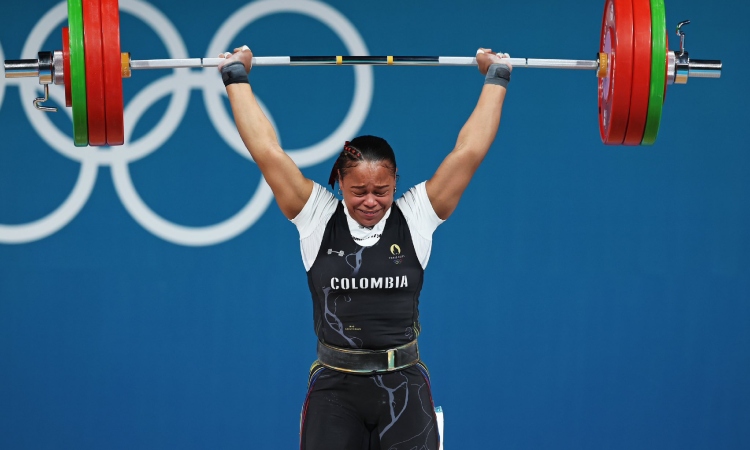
(178, 83)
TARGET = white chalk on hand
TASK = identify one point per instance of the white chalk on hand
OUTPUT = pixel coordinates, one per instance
(245, 47)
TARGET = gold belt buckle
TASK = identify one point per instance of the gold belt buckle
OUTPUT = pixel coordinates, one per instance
(391, 359)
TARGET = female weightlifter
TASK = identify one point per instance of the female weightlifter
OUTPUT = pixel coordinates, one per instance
(365, 256)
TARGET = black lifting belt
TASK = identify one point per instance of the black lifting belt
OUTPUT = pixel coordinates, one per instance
(368, 361)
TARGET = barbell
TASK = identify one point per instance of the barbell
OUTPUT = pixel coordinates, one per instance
(634, 66)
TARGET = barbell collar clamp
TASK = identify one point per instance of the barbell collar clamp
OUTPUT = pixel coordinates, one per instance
(58, 68)
(671, 67)
(682, 67)
(46, 67)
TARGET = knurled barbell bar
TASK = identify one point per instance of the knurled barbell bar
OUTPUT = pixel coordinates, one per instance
(634, 66)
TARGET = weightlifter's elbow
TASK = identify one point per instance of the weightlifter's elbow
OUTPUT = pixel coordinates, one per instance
(472, 152)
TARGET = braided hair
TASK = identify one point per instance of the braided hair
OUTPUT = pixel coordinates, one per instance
(362, 149)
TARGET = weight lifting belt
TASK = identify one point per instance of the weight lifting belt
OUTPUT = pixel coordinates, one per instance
(368, 361)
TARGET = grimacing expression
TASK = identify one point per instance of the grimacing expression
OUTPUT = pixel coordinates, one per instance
(368, 190)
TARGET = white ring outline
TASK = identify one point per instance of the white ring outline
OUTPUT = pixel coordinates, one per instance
(355, 45)
(92, 157)
(181, 234)
(57, 219)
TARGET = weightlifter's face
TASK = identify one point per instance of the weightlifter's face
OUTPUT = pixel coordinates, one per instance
(368, 190)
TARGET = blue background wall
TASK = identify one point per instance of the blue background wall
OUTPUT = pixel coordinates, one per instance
(581, 297)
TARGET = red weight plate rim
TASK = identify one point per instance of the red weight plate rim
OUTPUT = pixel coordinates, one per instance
(66, 66)
(614, 89)
(112, 62)
(92, 32)
(641, 83)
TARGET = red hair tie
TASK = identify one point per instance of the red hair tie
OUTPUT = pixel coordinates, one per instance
(351, 150)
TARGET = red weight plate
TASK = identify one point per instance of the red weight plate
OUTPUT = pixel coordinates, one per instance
(66, 66)
(614, 89)
(112, 62)
(92, 34)
(641, 84)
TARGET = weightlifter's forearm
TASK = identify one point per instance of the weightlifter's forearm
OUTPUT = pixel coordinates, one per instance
(255, 129)
(480, 129)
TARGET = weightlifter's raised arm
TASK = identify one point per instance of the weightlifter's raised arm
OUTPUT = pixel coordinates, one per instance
(445, 188)
(290, 188)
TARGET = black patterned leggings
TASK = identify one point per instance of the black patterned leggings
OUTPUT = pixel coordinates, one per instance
(392, 411)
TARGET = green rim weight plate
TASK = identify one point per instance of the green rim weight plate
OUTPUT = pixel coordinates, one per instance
(78, 73)
(658, 70)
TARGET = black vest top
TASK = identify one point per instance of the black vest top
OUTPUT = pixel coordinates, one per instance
(366, 297)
